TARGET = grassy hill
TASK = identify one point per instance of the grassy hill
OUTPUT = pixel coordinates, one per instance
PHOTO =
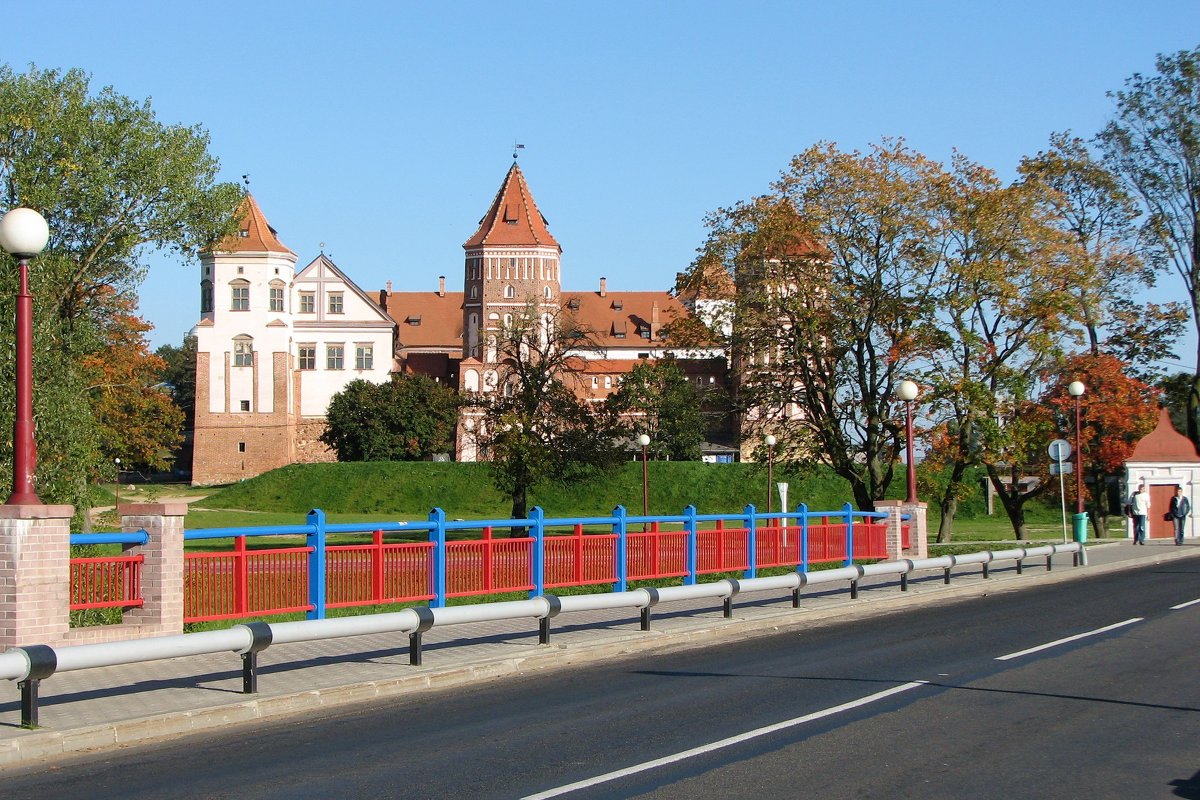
(465, 490)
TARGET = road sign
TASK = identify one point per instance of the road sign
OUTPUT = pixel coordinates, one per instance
(1059, 449)
(1062, 468)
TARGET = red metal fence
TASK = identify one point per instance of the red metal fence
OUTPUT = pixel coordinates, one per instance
(106, 582)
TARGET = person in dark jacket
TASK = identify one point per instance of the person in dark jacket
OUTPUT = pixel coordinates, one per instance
(1180, 508)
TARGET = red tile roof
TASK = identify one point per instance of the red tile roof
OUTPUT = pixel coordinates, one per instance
(256, 234)
(427, 319)
(513, 218)
(624, 312)
(1164, 444)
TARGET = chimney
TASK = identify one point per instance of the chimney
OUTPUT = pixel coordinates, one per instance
(389, 287)
(654, 324)
(441, 285)
(604, 287)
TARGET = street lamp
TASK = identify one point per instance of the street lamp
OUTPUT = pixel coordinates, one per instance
(644, 441)
(24, 234)
(769, 440)
(1076, 390)
(907, 391)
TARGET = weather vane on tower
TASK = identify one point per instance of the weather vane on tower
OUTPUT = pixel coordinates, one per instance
(516, 148)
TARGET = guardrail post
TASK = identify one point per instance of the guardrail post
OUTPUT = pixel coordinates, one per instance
(316, 564)
(751, 538)
(621, 528)
(690, 525)
(802, 515)
(538, 530)
(438, 537)
(42, 663)
(848, 512)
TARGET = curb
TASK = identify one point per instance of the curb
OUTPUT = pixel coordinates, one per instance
(48, 744)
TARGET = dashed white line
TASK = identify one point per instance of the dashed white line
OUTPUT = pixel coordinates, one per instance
(1185, 605)
(718, 745)
(1076, 637)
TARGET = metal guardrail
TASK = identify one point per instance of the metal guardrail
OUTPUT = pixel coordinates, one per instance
(31, 664)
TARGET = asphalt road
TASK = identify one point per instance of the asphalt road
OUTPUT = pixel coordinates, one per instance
(943, 701)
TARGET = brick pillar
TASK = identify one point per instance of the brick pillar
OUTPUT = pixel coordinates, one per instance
(917, 523)
(35, 574)
(162, 569)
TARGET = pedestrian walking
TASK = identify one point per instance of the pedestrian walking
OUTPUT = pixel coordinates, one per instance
(1139, 508)
(1180, 508)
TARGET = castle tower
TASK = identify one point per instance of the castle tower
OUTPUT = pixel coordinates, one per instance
(511, 260)
(244, 390)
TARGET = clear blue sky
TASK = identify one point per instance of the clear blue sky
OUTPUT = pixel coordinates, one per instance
(383, 129)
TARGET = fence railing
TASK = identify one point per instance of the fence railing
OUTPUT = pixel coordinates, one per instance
(554, 553)
(31, 664)
(106, 581)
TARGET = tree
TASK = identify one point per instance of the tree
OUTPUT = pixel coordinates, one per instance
(136, 418)
(834, 272)
(1116, 411)
(409, 418)
(112, 183)
(1087, 201)
(1004, 307)
(1154, 145)
(179, 375)
(656, 398)
(534, 425)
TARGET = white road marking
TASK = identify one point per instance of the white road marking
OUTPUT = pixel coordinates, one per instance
(1185, 605)
(723, 743)
(1077, 636)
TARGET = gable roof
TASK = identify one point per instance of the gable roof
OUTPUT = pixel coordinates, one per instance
(324, 264)
(1164, 444)
(255, 234)
(513, 218)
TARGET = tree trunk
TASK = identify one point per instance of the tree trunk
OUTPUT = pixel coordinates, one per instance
(519, 511)
(1013, 500)
(1193, 409)
(949, 502)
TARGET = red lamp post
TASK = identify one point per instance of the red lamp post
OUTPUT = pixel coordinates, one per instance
(1076, 390)
(769, 440)
(24, 234)
(907, 391)
(644, 441)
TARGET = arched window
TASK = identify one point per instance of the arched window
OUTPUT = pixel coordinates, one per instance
(509, 291)
(471, 381)
(206, 297)
(239, 295)
(243, 351)
(474, 292)
(546, 292)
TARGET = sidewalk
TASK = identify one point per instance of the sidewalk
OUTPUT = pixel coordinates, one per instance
(114, 706)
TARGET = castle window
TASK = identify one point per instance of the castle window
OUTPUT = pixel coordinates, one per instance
(241, 447)
(364, 356)
(546, 292)
(244, 233)
(595, 382)
(244, 405)
(239, 298)
(509, 291)
(206, 297)
(243, 351)
(335, 303)
(474, 292)
(308, 356)
(335, 356)
(608, 381)
(308, 302)
(277, 298)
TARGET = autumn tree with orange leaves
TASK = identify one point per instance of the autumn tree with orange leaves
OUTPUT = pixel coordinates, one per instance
(137, 420)
(1116, 411)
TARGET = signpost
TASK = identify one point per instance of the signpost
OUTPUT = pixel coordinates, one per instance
(1060, 451)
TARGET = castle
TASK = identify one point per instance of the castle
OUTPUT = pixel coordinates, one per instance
(274, 344)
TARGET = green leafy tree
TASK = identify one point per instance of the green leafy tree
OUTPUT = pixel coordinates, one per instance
(1153, 143)
(534, 425)
(179, 375)
(409, 418)
(656, 398)
(113, 183)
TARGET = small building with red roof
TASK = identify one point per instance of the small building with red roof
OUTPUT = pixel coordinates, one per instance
(1162, 460)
